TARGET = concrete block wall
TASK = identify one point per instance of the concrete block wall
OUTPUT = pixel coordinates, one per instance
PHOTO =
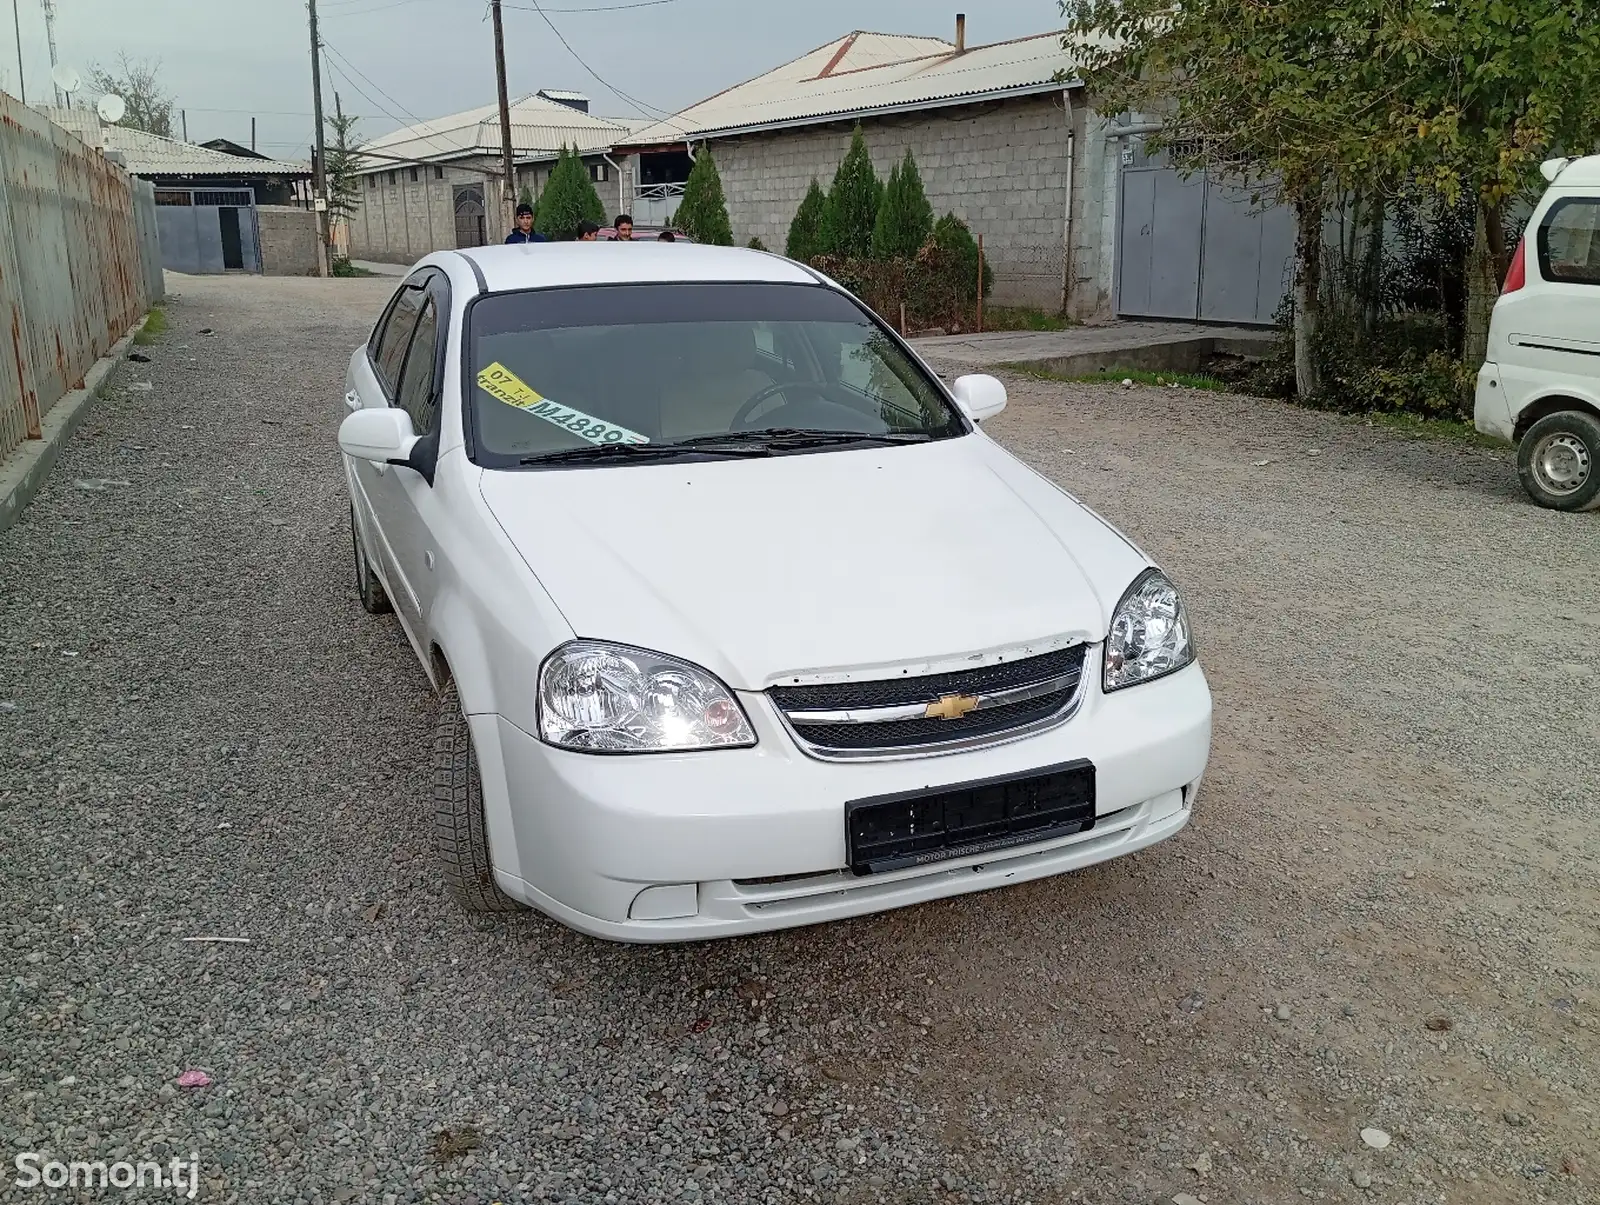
(288, 240)
(400, 222)
(1001, 167)
(1096, 185)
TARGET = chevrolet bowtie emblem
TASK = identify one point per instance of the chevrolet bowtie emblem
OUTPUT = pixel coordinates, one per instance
(951, 707)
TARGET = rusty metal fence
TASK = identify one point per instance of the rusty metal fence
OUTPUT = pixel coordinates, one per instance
(76, 258)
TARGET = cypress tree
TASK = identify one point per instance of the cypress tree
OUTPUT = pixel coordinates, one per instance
(568, 199)
(805, 232)
(703, 213)
(852, 203)
(953, 238)
(905, 219)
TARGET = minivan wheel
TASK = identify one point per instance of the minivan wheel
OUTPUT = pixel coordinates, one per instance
(368, 586)
(460, 831)
(1559, 461)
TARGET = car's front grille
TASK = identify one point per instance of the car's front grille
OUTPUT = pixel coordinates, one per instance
(933, 713)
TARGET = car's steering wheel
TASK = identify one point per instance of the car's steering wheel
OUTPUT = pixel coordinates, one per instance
(742, 415)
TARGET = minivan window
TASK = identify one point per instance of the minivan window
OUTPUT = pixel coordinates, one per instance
(1569, 241)
(556, 370)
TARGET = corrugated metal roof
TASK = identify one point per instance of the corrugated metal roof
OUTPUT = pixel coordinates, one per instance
(152, 155)
(537, 126)
(870, 73)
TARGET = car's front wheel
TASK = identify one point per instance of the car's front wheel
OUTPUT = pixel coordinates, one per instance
(460, 831)
(1559, 461)
(368, 586)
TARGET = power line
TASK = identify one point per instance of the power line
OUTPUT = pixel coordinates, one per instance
(423, 128)
(603, 8)
(334, 67)
(639, 105)
(378, 8)
(350, 8)
(274, 112)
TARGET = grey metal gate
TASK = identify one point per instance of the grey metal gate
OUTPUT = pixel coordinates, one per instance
(470, 216)
(1199, 247)
(208, 230)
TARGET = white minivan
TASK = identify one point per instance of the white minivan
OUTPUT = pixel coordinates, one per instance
(1540, 386)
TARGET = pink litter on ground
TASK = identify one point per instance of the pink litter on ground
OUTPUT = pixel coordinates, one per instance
(194, 1079)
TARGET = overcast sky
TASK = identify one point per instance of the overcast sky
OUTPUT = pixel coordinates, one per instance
(228, 59)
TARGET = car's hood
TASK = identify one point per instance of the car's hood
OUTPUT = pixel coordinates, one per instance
(920, 556)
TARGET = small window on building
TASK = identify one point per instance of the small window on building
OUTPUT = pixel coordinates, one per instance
(413, 175)
(394, 177)
(1569, 242)
(598, 173)
(372, 182)
(438, 173)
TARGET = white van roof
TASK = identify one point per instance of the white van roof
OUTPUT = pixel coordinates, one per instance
(1585, 172)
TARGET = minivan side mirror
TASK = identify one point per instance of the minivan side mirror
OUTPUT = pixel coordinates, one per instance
(382, 435)
(980, 396)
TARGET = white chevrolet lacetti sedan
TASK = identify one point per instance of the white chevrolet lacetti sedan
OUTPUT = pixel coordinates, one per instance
(737, 619)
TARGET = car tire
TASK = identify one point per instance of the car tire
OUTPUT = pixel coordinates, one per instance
(1559, 461)
(373, 597)
(460, 830)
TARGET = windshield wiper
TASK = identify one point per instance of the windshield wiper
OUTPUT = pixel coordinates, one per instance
(801, 437)
(640, 452)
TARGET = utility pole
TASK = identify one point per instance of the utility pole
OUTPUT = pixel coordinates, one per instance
(183, 116)
(50, 38)
(319, 179)
(508, 200)
(22, 84)
(252, 133)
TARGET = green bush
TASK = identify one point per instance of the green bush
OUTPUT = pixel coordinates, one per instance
(756, 244)
(905, 219)
(852, 210)
(805, 232)
(568, 200)
(928, 284)
(703, 213)
(1435, 385)
(953, 238)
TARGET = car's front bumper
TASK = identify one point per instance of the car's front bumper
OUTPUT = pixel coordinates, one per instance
(584, 837)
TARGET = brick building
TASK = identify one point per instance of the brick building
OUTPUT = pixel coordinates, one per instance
(1002, 134)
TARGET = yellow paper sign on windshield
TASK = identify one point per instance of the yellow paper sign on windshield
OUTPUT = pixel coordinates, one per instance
(501, 383)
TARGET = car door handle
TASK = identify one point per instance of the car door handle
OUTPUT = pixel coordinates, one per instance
(352, 400)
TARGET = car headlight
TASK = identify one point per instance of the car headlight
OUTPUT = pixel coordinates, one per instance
(1149, 635)
(608, 698)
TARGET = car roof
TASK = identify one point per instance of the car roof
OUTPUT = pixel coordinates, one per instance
(1582, 173)
(514, 266)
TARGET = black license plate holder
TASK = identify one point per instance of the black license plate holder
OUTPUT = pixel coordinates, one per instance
(921, 828)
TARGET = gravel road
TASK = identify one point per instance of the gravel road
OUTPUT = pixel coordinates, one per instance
(1384, 917)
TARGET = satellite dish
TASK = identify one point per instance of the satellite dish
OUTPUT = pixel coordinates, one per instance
(111, 108)
(66, 78)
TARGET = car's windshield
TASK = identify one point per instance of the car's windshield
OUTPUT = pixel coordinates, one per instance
(559, 370)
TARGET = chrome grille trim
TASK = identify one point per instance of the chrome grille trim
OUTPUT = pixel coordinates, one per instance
(798, 721)
(919, 711)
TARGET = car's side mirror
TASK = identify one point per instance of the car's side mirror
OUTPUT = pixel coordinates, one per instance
(382, 435)
(979, 396)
